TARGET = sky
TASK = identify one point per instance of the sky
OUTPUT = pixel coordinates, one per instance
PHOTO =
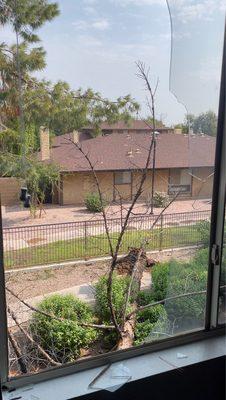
(95, 43)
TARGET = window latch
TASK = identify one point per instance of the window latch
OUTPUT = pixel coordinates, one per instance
(215, 254)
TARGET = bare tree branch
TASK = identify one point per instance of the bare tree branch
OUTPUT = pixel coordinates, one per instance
(30, 338)
(178, 296)
(84, 324)
(19, 355)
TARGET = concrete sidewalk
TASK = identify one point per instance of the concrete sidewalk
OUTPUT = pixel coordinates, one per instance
(84, 292)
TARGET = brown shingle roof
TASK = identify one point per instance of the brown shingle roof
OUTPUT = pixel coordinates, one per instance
(131, 125)
(113, 152)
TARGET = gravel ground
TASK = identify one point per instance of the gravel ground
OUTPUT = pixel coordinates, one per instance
(32, 284)
(18, 216)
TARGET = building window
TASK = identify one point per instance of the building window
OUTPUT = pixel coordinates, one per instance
(180, 181)
(123, 178)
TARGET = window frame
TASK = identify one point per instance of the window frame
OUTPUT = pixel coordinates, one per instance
(122, 172)
(179, 186)
(218, 208)
(211, 326)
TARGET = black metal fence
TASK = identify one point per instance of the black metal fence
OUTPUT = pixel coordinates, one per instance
(52, 243)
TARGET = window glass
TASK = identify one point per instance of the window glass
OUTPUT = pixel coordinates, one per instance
(123, 177)
(119, 256)
(180, 181)
(185, 177)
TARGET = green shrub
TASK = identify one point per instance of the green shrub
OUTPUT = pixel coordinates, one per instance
(191, 308)
(142, 332)
(145, 297)
(203, 227)
(152, 314)
(160, 199)
(172, 278)
(152, 324)
(119, 287)
(201, 260)
(63, 339)
(93, 202)
(160, 276)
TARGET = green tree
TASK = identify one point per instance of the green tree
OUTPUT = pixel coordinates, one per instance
(202, 123)
(206, 123)
(158, 122)
(39, 177)
(30, 60)
(26, 16)
(62, 109)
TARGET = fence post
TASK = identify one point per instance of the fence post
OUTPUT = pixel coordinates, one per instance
(161, 232)
(85, 226)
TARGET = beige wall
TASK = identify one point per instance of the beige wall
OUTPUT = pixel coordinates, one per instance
(123, 192)
(161, 183)
(10, 191)
(76, 185)
(72, 188)
(202, 182)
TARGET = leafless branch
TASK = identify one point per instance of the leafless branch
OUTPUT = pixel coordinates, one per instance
(19, 355)
(30, 338)
(178, 296)
(32, 308)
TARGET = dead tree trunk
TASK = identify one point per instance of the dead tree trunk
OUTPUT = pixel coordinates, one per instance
(134, 265)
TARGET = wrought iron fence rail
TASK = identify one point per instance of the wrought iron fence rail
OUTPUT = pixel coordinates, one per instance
(25, 246)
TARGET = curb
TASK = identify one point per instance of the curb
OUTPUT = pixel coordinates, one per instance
(91, 260)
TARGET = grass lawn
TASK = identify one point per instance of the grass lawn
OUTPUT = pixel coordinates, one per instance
(95, 246)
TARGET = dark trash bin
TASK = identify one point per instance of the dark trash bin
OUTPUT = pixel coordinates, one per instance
(23, 193)
(27, 202)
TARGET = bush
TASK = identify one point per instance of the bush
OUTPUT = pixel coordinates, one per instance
(142, 332)
(174, 278)
(119, 287)
(145, 297)
(151, 314)
(151, 324)
(160, 276)
(188, 309)
(93, 202)
(63, 339)
(160, 199)
(203, 227)
(201, 259)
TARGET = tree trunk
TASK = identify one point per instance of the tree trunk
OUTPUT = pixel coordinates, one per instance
(136, 272)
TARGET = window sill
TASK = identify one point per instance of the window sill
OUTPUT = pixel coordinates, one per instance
(74, 385)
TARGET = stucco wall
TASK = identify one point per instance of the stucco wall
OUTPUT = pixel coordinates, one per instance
(161, 183)
(72, 189)
(75, 186)
(123, 191)
(202, 182)
(10, 191)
